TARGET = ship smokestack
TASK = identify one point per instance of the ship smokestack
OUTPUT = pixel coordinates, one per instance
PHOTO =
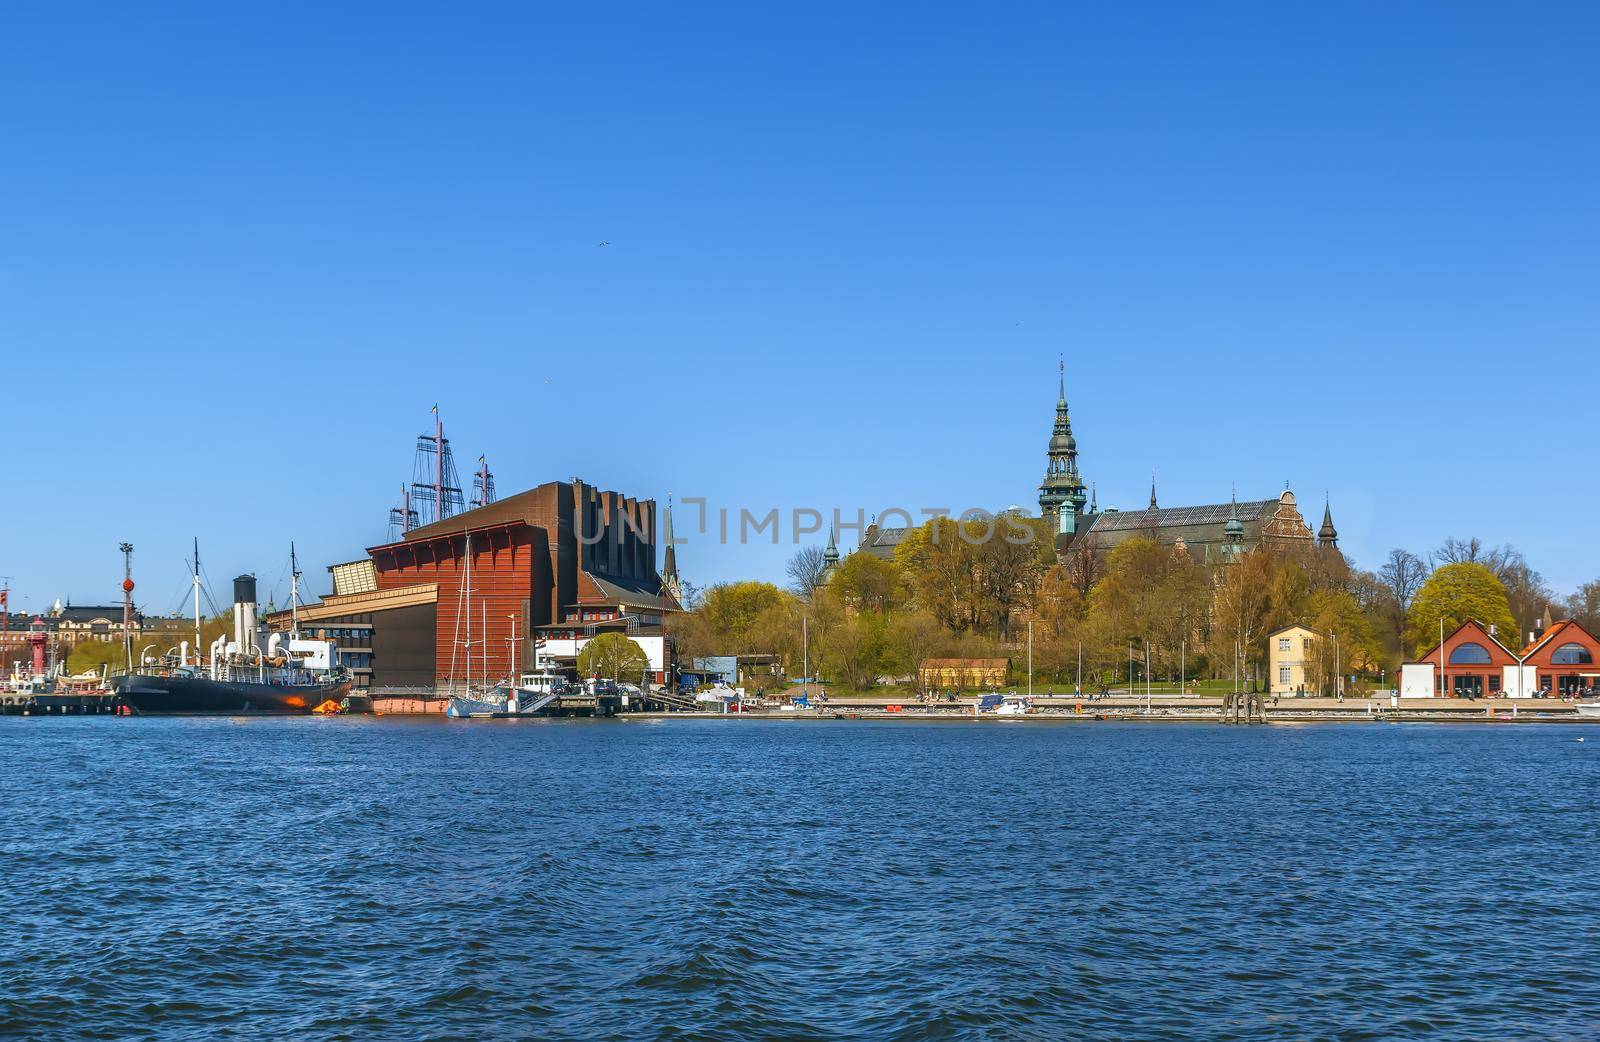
(244, 613)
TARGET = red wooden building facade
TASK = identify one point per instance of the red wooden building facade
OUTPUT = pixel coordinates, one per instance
(562, 551)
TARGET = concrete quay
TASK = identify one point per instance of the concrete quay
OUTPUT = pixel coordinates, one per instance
(1177, 708)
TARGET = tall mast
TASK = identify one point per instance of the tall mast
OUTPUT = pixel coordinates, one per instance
(438, 463)
(127, 603)
(294, 594)
(197, 600)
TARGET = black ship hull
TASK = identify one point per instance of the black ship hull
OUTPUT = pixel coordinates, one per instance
(200, 695)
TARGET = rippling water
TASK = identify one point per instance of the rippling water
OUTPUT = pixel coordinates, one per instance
(394, 879)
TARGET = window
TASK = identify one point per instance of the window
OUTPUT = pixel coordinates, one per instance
(1305, 643)
(1284, 675)
(1283, 643)
(1494, 683)
(1470, 654)
(1572, 655)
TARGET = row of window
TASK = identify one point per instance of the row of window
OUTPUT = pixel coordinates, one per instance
(1473, 654)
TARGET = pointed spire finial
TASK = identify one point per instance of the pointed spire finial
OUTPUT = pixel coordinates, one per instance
(1061, 367)
(1153, 490)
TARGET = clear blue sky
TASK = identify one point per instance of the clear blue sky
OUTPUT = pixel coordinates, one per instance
(242, 251)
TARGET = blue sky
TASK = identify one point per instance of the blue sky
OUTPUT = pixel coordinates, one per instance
(244, 250)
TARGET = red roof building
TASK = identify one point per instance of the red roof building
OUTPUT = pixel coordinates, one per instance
(1562, 661)
(1471, 663)
(1566, 658)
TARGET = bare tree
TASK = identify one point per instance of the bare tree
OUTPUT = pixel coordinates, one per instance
(1584, 606)
(1403, 573)
(805, 569)
(1526, 590)
(1459, 551)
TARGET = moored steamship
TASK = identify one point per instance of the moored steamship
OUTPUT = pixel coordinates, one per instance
(245, 674)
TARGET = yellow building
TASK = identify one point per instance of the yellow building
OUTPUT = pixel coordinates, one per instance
(1290, 652)
(942, 673)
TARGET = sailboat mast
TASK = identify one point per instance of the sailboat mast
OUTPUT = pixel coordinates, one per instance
(467, 604)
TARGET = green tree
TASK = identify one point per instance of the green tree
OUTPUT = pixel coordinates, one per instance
(868, 583)
(1242, 608)
(852, 651)
(731, 611)
(911, 636)
(93, 654)
(1337, 613)
(612, 655)
(1454, 594)
(942, 570)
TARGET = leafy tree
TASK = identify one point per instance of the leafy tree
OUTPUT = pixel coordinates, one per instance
(691, 634)
(1242, 608)
(731, 611)
(612, 655)
(1338, 613)
(1457, 593)
(852, 651)
(943, 572)
(910, 637)
(1010, 562)
(93, 654)
(868, 583)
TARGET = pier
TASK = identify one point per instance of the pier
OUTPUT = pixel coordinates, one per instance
(57, 704)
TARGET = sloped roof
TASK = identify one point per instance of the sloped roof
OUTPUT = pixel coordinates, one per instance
(1482, 630)
(1179, 517)
(1563, 629)
(510, 510)
(612, 590)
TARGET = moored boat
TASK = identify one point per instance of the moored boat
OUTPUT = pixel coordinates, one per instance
(246, 675)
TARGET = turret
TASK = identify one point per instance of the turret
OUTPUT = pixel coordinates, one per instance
(1327, 535)
(1062, 494)
(830, 557)
(1233, 531)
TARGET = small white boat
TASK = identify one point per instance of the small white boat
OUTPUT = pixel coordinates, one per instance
(1014, 705)
(1589, 710)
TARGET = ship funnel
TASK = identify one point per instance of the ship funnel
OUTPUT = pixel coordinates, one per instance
(244, 613)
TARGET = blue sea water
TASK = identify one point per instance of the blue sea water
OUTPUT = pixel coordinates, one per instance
(745, 879)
